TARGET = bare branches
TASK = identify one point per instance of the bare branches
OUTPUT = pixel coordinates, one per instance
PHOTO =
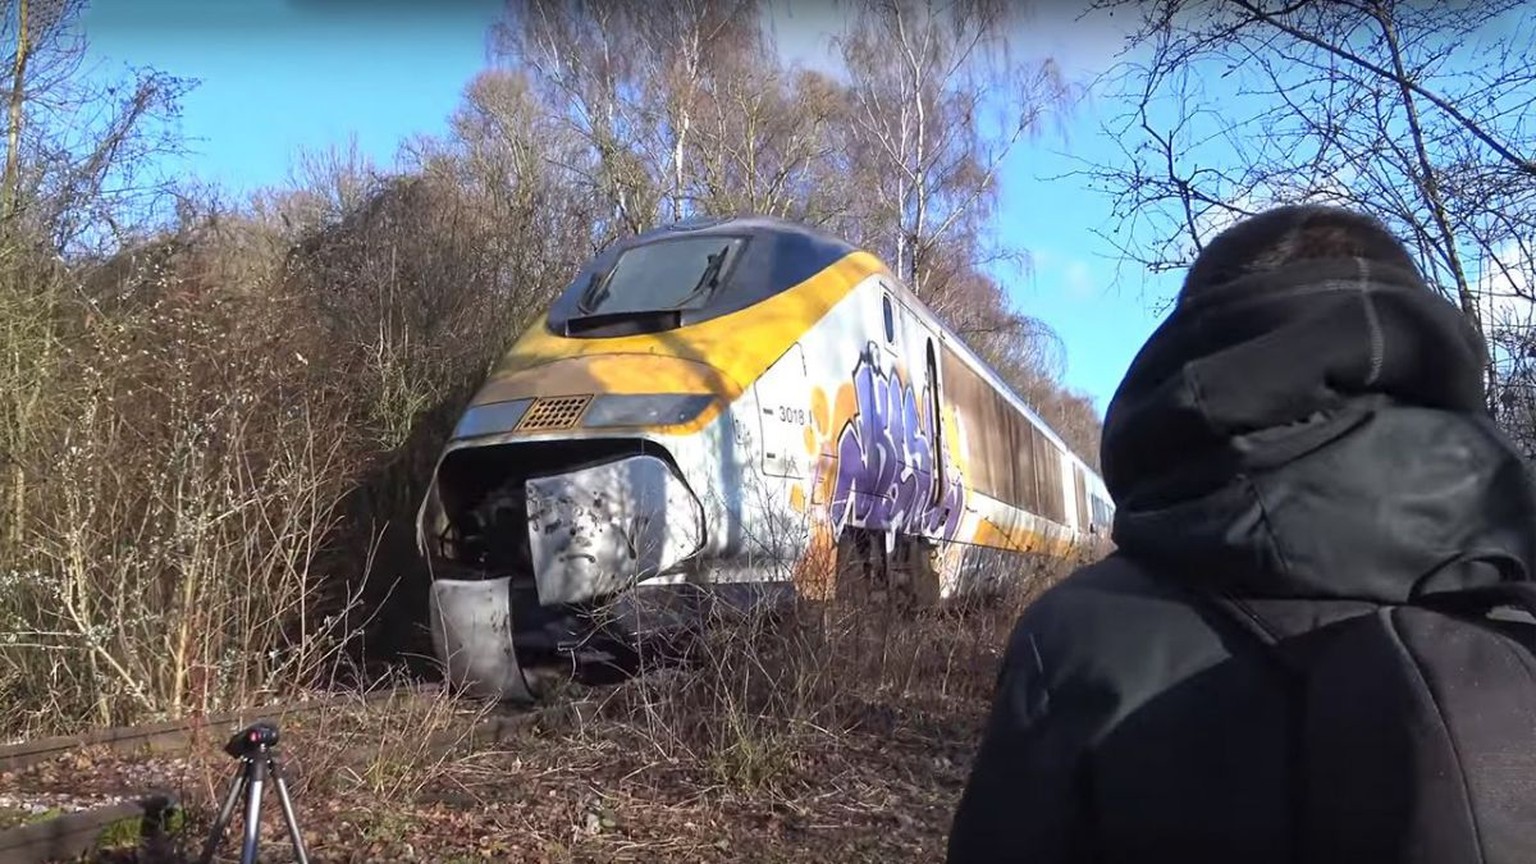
(1397, 74)
(1427, 181)
(15, 103)
(1422, 118)
(921, 74)
(79, 150)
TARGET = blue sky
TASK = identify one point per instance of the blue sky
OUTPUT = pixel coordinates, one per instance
(277, 75)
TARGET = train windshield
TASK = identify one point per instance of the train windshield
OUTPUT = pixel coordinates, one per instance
(668, 274)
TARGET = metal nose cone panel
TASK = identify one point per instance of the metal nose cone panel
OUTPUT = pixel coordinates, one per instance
(472, 635)
(599, 529)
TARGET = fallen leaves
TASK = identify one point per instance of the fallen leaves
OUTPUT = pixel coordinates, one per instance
(704, 769)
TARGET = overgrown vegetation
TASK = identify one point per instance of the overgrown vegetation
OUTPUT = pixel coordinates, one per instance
(217, 416)
(827, 734)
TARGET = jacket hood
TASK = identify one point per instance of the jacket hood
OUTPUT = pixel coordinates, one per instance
(1317, 431)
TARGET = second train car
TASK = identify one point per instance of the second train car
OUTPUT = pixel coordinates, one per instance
(722, 404)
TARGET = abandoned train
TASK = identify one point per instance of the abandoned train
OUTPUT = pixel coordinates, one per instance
(727, 403)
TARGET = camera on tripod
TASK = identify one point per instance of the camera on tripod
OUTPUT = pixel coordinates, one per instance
(252, 739)
(253, 747)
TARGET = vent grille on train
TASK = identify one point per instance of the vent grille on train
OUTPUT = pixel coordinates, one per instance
(554, 412)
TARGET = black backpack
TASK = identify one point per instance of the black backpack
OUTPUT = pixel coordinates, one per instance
(1413, 727)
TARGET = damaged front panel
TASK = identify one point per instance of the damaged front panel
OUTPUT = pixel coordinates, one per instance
(599, 529)
(472, 633)
(537, 547)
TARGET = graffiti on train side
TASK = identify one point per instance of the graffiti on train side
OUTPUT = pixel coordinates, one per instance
(886, 459)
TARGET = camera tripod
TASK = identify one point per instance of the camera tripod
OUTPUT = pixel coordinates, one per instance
(253, 747)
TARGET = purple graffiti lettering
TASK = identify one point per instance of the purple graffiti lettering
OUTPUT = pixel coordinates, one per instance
(886, 461)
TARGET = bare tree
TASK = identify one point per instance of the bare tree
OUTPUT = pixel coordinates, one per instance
(504, 155)
(40, 54)
(690, 46)
(1421, 115)
(679, 110)
(72, 183)
(79, 151)
(766, 143)
(936, 103)
(583, 60)
(924, 76)
(1512, 333)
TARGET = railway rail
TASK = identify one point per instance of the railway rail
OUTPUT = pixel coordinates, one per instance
(140, 819)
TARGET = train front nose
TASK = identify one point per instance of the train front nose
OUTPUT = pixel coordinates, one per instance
(598, 529)
(591, 532)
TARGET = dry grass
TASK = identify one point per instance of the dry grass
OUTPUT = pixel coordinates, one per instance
(823, 735)
(212, 446)
(761, 688)
(172, 512)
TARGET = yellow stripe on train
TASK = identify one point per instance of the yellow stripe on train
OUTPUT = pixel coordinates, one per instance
(722, 356)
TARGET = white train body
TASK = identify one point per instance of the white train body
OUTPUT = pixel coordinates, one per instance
(650, 452)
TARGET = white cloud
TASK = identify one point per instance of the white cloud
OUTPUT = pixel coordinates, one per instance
(1079, 281)
(803, 31)
(1084, 45)
(1218, 219)
(1505, 287)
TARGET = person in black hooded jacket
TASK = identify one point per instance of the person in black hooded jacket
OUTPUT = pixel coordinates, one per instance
(1306, 430)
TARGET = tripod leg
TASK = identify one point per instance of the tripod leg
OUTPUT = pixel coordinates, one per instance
(221, 824)
(258, 773)
(293, 822)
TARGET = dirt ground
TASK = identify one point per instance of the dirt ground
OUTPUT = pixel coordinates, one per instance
(862, 765)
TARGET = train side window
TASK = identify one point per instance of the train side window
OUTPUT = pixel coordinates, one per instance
(890, 318)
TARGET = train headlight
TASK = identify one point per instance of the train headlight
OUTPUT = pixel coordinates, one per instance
(645, 409)
(491, 419)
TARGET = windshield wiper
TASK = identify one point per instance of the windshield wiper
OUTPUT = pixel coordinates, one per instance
(591, 295)
(709, 280)
(589, 303)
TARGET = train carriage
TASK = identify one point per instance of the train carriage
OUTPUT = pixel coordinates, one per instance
(708, 407)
